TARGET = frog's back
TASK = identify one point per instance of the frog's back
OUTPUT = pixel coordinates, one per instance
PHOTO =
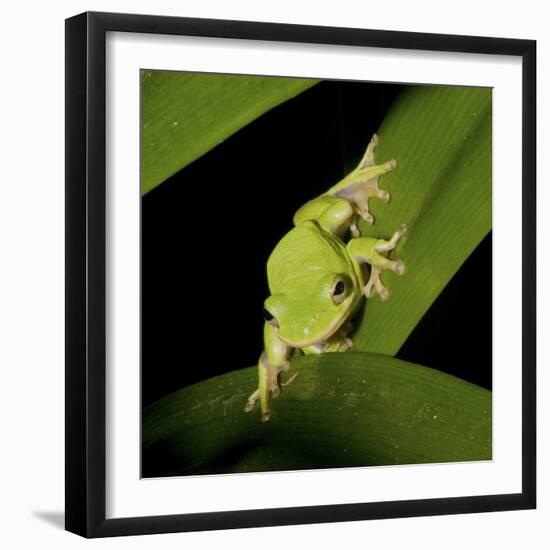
(306, 252)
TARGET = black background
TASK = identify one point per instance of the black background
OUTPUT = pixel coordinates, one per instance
(207, 233)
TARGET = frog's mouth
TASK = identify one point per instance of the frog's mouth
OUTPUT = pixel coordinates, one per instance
(331, 329)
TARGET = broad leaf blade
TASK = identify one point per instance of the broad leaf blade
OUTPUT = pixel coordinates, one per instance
(184, 115)
(441, 138)
(345, 409)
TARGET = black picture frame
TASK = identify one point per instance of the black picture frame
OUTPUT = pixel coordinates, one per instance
(86, 275)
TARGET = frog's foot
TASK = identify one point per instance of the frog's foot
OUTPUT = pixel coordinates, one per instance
(379, 262)
(269, 387)
(375, 283)
(367, 186)
(362, 184)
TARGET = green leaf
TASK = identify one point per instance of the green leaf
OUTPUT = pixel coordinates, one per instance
(342, 410)
(184, 115)
(441, 139)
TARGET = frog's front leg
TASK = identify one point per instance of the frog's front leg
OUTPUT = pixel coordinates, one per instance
(374, 252)
(272, 362)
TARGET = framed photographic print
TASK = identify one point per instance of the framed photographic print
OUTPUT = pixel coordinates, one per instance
(300, 274)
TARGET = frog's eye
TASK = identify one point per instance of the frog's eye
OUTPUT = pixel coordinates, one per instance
(269, 319)
(338, 291)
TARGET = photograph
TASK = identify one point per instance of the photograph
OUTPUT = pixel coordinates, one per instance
(316, 273)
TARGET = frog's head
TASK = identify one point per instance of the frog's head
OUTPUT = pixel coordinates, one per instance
(314, 310)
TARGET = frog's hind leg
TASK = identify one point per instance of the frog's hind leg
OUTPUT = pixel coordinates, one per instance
(338, 209)
(335, 214)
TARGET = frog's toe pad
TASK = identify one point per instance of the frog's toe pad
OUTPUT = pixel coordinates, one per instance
(367, 216)
(384, 293)
(383, 195)
(399, 268)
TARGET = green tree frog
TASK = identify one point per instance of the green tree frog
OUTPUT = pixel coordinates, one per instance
(316, 279)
